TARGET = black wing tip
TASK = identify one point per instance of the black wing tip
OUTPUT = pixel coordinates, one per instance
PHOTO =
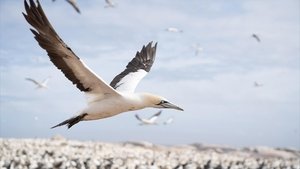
(77, 10)
(149, 45)
(148, 49)
(74, 5)
(26, 5)
(55, 126)
(153, 47)
(24, 15)
(137, 117)
(32, 3)
(32, 10)
(66, 122)
(34, 31)
(158, 113)
(147, 56)
(72, 121)
(29, 79)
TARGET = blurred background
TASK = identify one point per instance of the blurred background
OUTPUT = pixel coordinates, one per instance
(236, 89)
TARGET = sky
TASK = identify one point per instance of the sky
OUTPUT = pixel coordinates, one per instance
(215, 88)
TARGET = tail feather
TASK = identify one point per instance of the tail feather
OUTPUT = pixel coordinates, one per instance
(72, 121)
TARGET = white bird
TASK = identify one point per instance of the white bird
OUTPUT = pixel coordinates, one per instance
(256, 37)
(39, 85)
(109, 4)
(103, 100)
(169, 121)
(256, 84)
(73, 3)
(175, 30)
(149, 121)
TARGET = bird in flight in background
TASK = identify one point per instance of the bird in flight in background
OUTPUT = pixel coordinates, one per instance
(256, 84)
(149, 121)
(256, 37)
(73, 3)
(173, 29)
(103, 100)
(109, 4)
(39, 85)
(198, 49)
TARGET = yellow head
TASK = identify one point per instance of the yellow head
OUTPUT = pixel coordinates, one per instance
(151, 100)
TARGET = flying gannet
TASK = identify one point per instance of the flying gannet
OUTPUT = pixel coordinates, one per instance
(39, 85)
(256, 37)
(198, 48)
(103, 100)
(73, 3)
(109, 4)
(173, 29)
(149, 121)
(256, 84)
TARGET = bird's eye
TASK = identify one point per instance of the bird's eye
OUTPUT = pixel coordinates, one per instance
(163, 102)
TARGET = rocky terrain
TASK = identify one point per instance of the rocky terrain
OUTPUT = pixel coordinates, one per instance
(62, 153)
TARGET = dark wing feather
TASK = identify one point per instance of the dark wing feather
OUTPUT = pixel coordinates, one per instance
(143, 60)
(74, 5)
(138, 117)
(109, 3)
(154, 116)
(32, 80)
(256, 37)
(61, 55)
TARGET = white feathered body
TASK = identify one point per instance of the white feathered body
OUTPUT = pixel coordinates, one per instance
(113, 105)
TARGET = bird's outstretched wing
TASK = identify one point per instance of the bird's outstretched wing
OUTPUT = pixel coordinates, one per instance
(32, 80)
(154, 116)
(138, 117)
(136, 69)
(62, 56)
(256, 84)
(109, 3)
(256, 37)
(74, 5)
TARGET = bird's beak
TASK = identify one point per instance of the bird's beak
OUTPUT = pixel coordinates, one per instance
(171, 106)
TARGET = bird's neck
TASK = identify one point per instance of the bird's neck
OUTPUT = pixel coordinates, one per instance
(139, 100)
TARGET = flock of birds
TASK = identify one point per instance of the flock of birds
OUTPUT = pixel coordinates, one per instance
(153, 119)
(103, 100)
(39, 85)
